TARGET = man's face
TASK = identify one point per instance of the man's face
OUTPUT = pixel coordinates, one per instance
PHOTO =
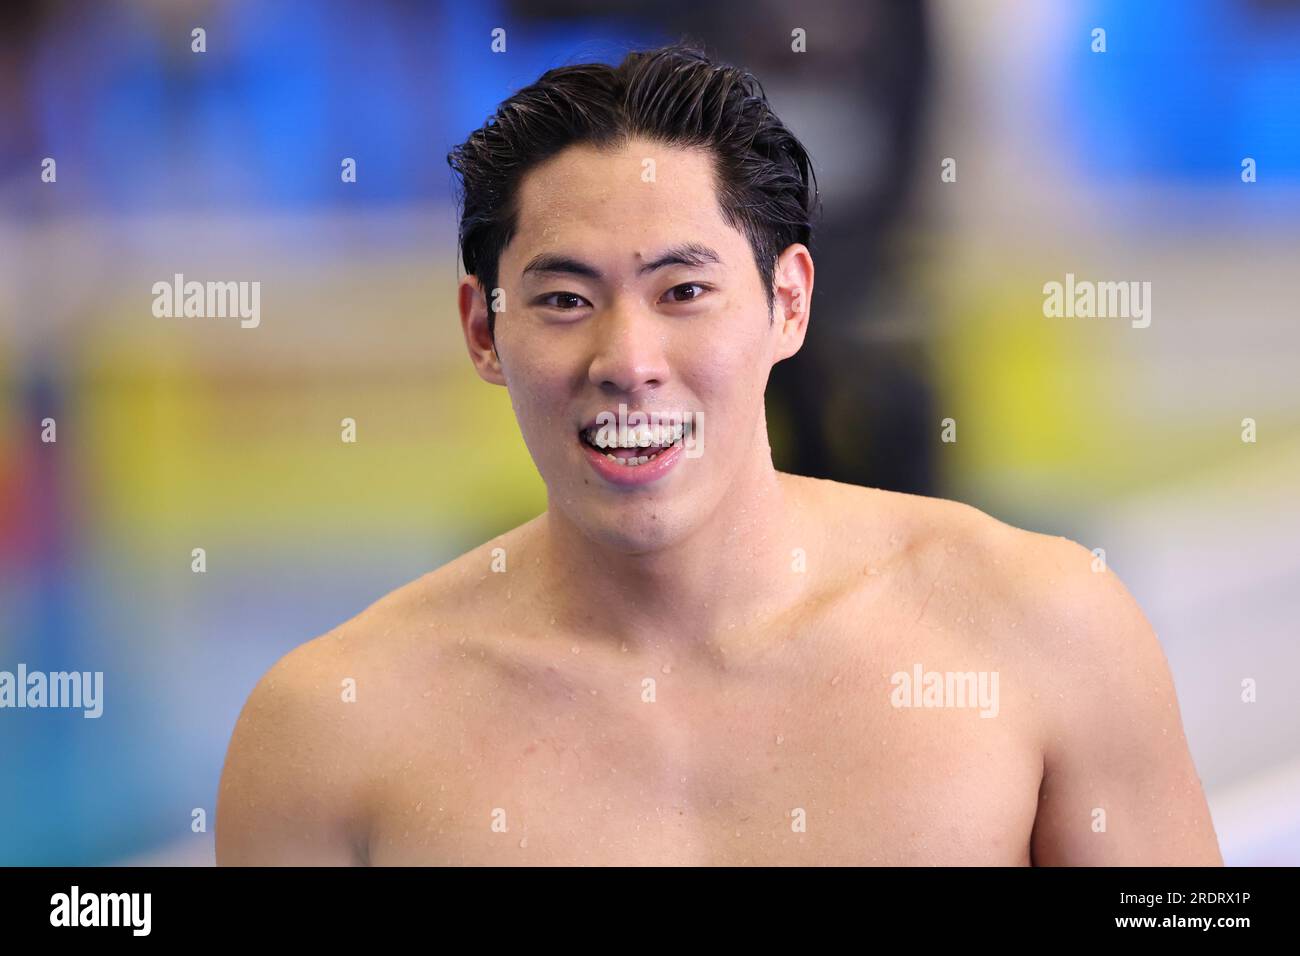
(593, 319)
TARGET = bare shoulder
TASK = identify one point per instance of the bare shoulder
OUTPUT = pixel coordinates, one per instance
(288, 793)
(295, 788)
(1119, 786)
(995, 573)
(1053, 612)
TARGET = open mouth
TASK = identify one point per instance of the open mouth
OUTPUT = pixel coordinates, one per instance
(636, 446)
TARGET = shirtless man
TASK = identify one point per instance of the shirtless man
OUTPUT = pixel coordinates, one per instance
(708, 661)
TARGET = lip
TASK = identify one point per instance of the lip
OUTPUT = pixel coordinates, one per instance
(633, 475)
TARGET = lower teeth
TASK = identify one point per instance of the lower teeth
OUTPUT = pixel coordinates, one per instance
(638, 460)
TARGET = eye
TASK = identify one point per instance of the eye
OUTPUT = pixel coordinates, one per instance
(564, 296)
(673, 292)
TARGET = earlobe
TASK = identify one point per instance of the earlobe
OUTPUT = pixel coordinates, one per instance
(489, 363)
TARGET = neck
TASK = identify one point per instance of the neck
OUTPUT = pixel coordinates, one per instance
(706, 592)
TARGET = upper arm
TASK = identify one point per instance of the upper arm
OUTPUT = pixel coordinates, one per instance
(1119, 787)
(284, 797)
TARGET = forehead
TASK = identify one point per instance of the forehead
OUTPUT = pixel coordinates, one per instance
(631, 198)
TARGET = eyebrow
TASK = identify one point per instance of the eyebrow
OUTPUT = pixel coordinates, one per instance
(686, 254)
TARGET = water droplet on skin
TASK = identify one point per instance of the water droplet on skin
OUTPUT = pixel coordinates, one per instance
(780, 739)
(668, 668)
(523, 844)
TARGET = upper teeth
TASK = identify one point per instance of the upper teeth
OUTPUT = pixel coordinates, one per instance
(641, 436)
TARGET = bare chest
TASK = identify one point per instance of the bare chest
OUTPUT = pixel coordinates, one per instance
(812, 759)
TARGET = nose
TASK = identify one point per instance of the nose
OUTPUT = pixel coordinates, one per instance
(629, 353)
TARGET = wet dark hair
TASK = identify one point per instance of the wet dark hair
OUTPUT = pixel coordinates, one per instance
(675, 95)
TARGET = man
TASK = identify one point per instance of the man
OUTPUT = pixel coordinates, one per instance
(691, 658)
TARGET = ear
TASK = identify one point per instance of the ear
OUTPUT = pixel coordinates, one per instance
(792, 299)
(474, 306)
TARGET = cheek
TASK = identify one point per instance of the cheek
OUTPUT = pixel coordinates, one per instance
(737, 363)
(541, 397)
